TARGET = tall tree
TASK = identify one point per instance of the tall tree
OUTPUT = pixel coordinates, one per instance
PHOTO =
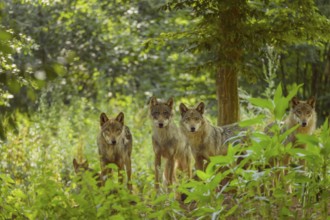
(230, 29)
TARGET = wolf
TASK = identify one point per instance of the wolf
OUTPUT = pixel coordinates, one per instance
(168, 142)
(81, 167)
(301, 113)
(205, 139)
(115, 146)
(304, 114)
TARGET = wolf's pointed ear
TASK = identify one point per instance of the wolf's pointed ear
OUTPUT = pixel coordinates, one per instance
(311, 101)
(120, 117)
(103, 118)
(294, 101)
(85, 164)
(153, 101)
(170, 102)
(183, 109)
(200, 108)
(75, 163)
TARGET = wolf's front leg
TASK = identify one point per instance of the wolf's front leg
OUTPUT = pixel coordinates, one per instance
(129, 174)
(105, 172)
(157, 169)
(199, 160)
(121, 169)
(189, 169)
(170, 171)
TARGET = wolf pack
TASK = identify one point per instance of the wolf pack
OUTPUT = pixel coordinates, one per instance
(187, 147)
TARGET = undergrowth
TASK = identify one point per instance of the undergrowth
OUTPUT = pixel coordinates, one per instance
(38, 180)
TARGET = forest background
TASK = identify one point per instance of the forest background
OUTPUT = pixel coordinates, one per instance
(65, 62)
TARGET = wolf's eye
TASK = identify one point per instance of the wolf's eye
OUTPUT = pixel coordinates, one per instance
(166, 114)
(298, 112)
(155, 114)
(187, 118)
(118, 130)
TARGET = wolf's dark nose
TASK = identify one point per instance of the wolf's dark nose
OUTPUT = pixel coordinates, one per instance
(192, 129)
(304, 124)
(161, 125)
(113, 142)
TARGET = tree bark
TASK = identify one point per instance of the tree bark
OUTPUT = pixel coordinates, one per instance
(227, 95)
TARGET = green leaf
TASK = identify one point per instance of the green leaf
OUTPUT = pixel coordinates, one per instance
(263, 103)
(6, 178)
(280, 107)
(17, 193)
(231, 211)
(307, 139)
(249, 122)
(293, 91)
(288, 132)
(5, 36)
(202, 175)
(278, 94)
(220, 160)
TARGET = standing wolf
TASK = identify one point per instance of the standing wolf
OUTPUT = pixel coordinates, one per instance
(115, 146)
(168, 142)
(204, 139)
(302, 113)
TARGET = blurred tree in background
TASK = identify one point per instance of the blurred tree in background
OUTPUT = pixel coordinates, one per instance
(101, 49)
(232, 31)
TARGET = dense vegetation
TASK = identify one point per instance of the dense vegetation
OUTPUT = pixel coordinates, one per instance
(64, 62)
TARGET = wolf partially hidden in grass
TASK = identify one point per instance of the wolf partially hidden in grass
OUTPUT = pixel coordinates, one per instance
(80, 167)
(304, 114)
(115, 146)
(168, 142)
(205, 139)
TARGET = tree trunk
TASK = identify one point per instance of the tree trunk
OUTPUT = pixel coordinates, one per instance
(227, 94)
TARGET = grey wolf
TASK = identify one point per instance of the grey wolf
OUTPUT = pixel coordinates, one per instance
(304, 114)
(168, 142)
(301, 113)
(205, 139)
(81, 167)
(115, 146)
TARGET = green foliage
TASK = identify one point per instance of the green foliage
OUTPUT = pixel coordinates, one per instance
(65, 62)
(279, 104)
(38, 181)
(230, 27)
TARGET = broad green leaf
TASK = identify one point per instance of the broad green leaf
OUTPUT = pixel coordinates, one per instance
(278, 94)
(288, 132)
(17, 193)
(6, 178)
(299, 152)
(220, 159)
(202, 175)
(249, 122)
(280, 107)
(293, 91)
(308, 139)
(5, 36)
(264, 103)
